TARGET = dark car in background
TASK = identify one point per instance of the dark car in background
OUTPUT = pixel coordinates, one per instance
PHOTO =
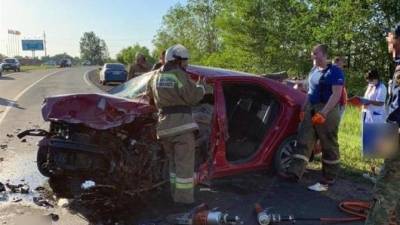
(11, 64)
(113, 72)
(65, 63)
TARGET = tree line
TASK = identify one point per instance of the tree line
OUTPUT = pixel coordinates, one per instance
(263, 36)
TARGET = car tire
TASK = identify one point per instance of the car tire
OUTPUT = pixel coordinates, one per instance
(66, 187)
(282, 158)
(41, 160)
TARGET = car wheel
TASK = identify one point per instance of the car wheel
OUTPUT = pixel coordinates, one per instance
(19, 70)
(283, 156)
(41, 161)
(65, 187)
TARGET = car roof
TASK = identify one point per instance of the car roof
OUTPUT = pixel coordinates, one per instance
(120, 64)
(215, 72)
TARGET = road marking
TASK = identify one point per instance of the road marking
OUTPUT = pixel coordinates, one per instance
(14, 100)
(8, 74)
(88, 82)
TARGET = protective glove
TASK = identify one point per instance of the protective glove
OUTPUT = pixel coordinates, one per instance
(354, 101)
(202, 83)
(301, 116)
(318, 119)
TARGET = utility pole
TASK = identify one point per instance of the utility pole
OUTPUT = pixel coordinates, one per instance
(45, 43)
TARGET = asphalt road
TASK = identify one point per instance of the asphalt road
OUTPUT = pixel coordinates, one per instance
(21, 95)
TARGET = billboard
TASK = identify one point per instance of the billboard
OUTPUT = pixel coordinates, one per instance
(32, 45)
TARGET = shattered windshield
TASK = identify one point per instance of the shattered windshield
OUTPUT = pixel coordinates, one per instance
(134, 88)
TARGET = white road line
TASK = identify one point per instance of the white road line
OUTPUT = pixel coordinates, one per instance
(87, 80)
(8, 74)
(10, 104)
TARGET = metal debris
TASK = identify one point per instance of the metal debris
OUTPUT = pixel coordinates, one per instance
(40, 201)
(54, 217)
(24, 189)
(10, 135)
(18, 188)
(23, 140)
(3, 146)
(2, 187)
(16, 199)
(40, 189)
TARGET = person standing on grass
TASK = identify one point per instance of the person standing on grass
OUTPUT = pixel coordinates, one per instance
(386, 206)
(339, 62)
(319, 119)
(374, 108)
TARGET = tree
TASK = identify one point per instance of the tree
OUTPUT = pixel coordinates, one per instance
(192, 25)
(127, 55)
(262, 36)
(93, 48)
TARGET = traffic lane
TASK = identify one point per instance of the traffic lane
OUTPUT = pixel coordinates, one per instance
(18, 164)
(12, 85)
(28, 115)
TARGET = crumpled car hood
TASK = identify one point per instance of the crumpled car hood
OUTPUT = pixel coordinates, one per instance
(98, 111)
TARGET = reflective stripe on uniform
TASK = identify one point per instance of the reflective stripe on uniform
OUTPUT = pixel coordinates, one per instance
(331, 162)
(174, 130)
(298, 156)
(172, 177)
(184, 183)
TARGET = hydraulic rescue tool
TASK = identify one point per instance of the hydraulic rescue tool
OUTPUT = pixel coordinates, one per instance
(202, 215)
(266, 218)
(358, 209)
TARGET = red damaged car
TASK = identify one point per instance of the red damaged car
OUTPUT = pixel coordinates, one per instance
(248, 123)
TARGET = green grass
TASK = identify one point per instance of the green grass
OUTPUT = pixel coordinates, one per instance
(35, 67)
(31, 68)
(352, 162)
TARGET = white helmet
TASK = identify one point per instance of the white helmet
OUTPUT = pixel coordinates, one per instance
(176, 52)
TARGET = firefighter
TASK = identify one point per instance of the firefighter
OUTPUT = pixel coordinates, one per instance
(174, 93)
(320, 118)
(386, 207)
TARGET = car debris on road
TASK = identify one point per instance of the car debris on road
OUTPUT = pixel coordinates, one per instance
(18, 188)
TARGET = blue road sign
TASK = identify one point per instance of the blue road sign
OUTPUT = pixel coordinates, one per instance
(32, 45)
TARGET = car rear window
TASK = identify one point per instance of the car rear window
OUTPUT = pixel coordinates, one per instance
(115, 66)
(9, 60)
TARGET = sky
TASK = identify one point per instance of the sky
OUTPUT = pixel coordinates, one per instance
(120, 23)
